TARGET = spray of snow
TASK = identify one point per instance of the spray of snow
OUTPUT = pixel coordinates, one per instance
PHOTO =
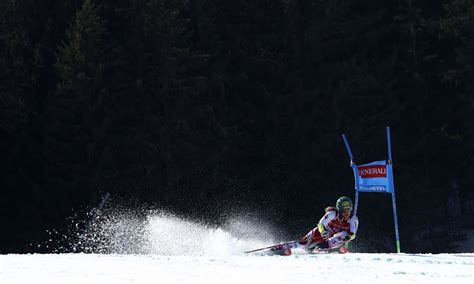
(163, 233)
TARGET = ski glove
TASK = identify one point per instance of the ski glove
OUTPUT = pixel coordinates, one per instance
(349, 237)
(325, 235)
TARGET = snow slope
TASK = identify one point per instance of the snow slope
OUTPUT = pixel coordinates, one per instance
(163, 248)
(348, 268)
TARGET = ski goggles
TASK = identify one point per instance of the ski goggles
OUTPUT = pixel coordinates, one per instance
(346, 209)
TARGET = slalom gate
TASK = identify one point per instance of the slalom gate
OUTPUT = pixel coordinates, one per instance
(375, 177)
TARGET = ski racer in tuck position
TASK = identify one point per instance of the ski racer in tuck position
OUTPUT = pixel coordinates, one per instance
(336, 228)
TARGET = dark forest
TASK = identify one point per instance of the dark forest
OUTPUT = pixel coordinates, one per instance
(208, 107)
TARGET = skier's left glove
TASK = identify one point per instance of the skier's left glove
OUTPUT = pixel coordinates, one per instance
(349, 237)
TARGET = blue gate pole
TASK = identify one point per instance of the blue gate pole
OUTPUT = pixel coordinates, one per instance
(356, 202)
(354, 168)
(392, 185)
(348, 147)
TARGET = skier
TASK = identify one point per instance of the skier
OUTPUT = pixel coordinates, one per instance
(337, 227)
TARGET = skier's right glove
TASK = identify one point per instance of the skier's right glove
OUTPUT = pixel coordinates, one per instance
(322, 231)
(325, 235)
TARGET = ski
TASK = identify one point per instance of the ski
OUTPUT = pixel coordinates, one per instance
(286, 249)
(272, 247)
(339, 249)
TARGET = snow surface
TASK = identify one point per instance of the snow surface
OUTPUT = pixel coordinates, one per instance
(163, 248)
(348, 268)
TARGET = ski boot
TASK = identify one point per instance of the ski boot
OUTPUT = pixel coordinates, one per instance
(281, 250)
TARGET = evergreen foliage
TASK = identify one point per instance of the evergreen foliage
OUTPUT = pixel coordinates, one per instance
(205, 107)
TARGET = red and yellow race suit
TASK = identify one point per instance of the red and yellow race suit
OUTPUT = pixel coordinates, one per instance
(335, 227)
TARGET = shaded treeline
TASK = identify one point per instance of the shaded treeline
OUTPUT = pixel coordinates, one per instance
(204, 107)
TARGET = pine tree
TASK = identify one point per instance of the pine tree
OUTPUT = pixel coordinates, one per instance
(458, 34)
(20, 63)
(76, 109)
